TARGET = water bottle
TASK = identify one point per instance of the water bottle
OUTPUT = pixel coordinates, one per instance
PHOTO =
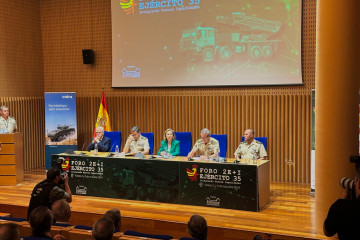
(166, 152)
(116, 151)
(254, 158)
(96, 149)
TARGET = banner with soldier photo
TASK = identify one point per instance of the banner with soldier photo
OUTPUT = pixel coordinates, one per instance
(60, 124)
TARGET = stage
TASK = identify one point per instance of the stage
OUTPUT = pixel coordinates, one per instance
(290, 214)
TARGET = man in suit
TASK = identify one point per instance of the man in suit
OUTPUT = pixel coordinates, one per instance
(103, 143)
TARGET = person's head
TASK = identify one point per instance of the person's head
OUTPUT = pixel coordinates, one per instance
(115, 215)
(40, 221)
(205, 135)
(9, 231)
(169, 135)
(100, 132)
(249, 135)
(103, 229)
(197, 227)
(61, 210)
(54, 175)
(4, 111)
(135, 132)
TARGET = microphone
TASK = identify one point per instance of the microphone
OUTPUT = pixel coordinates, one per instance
(112, 146)
(82, 149)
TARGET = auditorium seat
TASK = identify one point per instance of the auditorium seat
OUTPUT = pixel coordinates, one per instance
(222, 138)
(150, 137)
(144, 235)
(263, 140)
(185, 142)
(61, 224)
(82, 234)
(13, 219)
(83, 227)
(25, 229)
(115, 139)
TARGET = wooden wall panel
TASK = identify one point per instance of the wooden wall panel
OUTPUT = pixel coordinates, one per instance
(29, 115)
(284, 119)
(21, 59)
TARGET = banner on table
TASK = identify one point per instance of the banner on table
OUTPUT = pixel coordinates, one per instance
(60, 124)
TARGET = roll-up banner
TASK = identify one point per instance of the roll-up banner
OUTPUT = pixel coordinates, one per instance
(60, 124)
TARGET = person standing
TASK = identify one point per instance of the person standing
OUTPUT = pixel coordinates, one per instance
(7, 123)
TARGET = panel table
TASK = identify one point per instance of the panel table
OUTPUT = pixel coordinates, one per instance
(201, 183)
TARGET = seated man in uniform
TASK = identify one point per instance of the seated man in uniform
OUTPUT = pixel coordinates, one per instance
(250, 148)
(207, 147)
(136, 143)
(7, 123)
(103, 143)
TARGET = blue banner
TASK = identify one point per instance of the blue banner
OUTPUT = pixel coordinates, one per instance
(60, 124)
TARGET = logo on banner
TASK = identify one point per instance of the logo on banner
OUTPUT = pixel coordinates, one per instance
(192, 174)
(128, 6)
(82, 190)
(213, 201)
(65, 166)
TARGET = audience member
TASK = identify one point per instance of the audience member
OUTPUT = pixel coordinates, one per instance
(115, 215)
(9, 231)
(103, 229)
(206, 146)
(53, 188)
(61, 211)
(197, 227)
(40, 221)
(103, 143)
(344, 215)
(136, 143)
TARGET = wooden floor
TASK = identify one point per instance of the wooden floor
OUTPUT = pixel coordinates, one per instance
(290, 214)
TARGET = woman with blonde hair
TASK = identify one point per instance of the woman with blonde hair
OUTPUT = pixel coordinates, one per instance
(169, 144)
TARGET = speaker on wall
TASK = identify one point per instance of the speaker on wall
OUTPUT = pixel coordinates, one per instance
(88, 56)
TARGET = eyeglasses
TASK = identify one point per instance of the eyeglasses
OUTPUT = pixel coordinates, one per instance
(205, 137)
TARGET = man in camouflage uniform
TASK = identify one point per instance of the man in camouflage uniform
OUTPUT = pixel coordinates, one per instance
(136, 143)
(7, 123)
(206, 147)
(250, 147)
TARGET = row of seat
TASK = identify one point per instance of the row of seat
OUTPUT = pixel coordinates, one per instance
(80, 232)
(185, 139)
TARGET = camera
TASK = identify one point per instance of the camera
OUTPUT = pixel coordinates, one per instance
(346, 182)
(349, 183)
(58, 162)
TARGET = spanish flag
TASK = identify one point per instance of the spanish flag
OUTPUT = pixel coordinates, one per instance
(103, 119)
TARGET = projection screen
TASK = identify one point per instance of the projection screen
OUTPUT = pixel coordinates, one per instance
(184, 43)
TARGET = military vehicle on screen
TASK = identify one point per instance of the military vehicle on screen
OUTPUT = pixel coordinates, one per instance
(61, 133)
(236, 34)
